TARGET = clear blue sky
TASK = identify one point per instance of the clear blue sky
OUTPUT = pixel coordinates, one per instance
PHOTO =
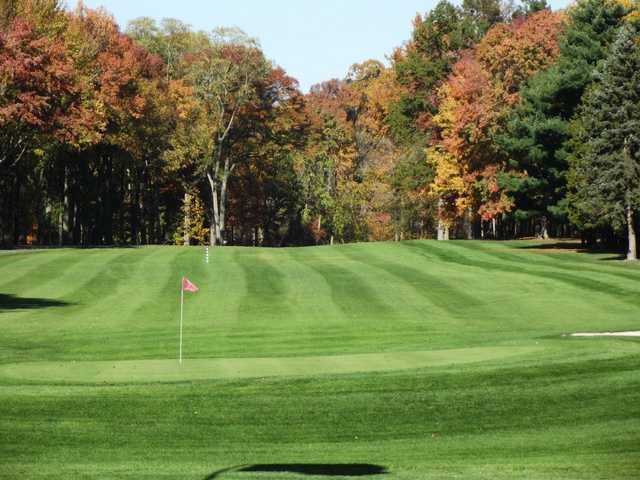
(313, 40)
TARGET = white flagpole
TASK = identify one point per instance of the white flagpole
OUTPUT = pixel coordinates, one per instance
(181, 309)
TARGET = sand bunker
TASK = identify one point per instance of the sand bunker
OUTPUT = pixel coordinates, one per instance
(635, 333)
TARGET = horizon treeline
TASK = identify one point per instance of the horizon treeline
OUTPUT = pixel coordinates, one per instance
(493, 120)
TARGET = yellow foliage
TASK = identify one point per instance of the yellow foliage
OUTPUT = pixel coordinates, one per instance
(450, 181)
(633, 9)
(192, 221)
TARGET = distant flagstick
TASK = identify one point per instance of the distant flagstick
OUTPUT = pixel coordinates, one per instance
(185, 284)
(181, 310)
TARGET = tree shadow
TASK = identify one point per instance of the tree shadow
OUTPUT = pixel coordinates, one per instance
(12, 302)
(319, 469)
(576, 247)
(566, 245)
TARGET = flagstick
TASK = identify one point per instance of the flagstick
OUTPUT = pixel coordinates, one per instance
(181, 309)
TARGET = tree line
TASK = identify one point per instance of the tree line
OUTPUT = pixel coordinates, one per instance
(493, 120)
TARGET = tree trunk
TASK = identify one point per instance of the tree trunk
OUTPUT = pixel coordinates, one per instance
(544, 230)
(443, 230)
(186, 239)
(107, 219)
(135, 209)
(219, 199)
(468, 224)
(65, 213)
(215, 220)
(223, 205)
(632, 252)
(15, 221)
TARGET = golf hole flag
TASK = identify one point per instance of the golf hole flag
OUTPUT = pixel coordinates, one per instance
(188, 286)
(185, 285)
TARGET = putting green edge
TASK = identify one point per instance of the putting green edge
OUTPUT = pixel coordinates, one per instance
(169, 370)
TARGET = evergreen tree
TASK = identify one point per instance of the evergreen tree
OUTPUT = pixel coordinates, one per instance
(537, 136)
(605, 176)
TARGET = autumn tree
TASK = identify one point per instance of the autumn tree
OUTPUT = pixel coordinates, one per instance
(191, 223)
(471, 173)
(120, 84)
(40, 104)
(424, 62)
(264, 197)
(172, 40)
(224, 77)
(327, 162)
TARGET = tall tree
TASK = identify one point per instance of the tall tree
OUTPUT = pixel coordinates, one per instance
(537, 134)
(470, 171)
(425, 61)
(605, 177)
(40, 106)
(224, 78)
(119, 82)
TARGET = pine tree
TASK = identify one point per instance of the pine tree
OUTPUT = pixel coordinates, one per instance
(605, 176)
(537, 135)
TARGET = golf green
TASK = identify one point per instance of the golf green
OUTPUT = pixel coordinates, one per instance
(142, 371)
(409, 360)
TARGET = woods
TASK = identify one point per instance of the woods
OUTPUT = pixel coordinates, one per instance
(493, 120)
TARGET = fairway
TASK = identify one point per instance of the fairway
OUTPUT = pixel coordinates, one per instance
(408, 360)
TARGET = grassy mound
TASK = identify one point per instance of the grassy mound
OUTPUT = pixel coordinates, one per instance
(408, 360)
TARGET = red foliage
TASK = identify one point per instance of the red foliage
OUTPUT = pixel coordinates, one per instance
(37, 81)
(512, 52)
(317, 232)
(482, 86)
(110, 68)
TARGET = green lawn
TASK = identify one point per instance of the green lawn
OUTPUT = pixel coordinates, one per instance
(413, 360)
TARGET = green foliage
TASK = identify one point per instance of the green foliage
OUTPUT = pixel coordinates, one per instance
(172, 40)
(402, 118)
(537, 137)
(319, 171)
(480, 15)
(436, 41)
(605, 169)
(532, 6)
(413, 211)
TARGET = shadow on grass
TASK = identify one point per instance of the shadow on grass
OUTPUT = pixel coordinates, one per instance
(576, 247)
(41, 248)
(11, 302)
(319, 469)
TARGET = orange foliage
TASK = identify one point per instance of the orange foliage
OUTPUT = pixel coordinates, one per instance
(482, 86)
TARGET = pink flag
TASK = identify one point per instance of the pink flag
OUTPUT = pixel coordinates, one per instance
(188, 286)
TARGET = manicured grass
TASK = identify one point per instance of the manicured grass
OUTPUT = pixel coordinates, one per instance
(413, 360)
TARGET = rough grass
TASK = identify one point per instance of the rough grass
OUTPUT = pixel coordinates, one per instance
(416, 360)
